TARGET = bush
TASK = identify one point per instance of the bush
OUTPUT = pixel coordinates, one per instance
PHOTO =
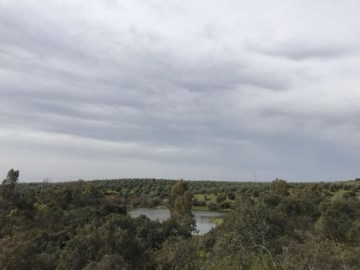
(212, 206)
(220, 198)
(231, 196)
(225, 205)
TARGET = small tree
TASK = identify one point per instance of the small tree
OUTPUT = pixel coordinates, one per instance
(180, 203)
(220, 198)
(279, 187)
(231, 196)
(8, 185)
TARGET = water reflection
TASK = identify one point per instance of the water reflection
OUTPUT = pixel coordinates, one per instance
(204, 219)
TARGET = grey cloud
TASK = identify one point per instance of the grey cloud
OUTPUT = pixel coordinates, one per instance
(304, 51)
(229, 107)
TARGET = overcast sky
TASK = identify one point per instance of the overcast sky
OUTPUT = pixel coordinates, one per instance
(221, 90)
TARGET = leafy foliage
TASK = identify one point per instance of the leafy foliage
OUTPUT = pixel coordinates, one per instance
(8, 185)
(180, 204)
(84, 225)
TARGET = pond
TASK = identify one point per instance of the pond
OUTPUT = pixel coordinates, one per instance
(204, 219)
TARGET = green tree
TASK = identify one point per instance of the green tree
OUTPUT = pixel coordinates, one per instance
(231, 196)
(114, 239)
(220, 198)
(336, 221)
(109, 262)
(180, 254)
(279, 187)
(246, 233)
(179, 204)
(8, 185)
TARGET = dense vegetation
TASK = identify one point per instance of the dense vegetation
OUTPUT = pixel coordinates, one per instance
(84, 225)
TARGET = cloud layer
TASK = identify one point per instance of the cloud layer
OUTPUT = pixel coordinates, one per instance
(180, 89)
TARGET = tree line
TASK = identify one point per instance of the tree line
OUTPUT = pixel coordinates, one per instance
(85, 225)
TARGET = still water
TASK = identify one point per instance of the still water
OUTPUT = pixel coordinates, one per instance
(204, 219)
